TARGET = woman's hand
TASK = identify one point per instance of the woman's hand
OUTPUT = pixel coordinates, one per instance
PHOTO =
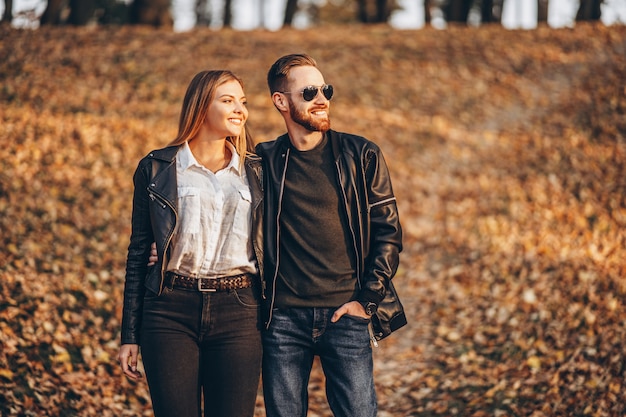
(128, 357)
(154, 256)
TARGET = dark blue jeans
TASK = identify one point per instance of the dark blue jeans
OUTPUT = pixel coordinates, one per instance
(195, 343)
(295, 337)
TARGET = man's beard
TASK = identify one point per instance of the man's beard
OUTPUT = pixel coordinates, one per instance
(304, 120)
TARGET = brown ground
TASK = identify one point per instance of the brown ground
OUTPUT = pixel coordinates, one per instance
(507, 150)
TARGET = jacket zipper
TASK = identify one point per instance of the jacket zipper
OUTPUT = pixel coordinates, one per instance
(156, 196)
(257, 178)
(278, 213)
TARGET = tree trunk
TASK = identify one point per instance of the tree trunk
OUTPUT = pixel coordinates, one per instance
(151, 12)
(486, 11)
(542, 11)
(498, 6)
(361, 11)
(203, 15)
(373, 11)
(52, 14)
(7, 16)
(427, 11)
(457, 10)
(81, 12)
(589, 10)
(491, 11)
(290, 10)
(228, 13)
(383, 11)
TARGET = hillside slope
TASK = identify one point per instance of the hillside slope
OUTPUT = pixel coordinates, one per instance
(507, 151)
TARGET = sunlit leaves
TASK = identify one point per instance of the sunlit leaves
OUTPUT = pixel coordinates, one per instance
(508, 158)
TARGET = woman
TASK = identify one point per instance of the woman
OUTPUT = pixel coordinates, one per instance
(195, 312)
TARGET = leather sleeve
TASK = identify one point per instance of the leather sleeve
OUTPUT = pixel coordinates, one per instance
(136, 263)
(385, 232)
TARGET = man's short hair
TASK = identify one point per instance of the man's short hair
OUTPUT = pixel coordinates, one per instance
(279, 71)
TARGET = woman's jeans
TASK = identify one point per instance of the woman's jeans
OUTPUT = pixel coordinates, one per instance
(295, 336)
(202, 342)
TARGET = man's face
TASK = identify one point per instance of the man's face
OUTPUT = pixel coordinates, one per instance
(313, 115)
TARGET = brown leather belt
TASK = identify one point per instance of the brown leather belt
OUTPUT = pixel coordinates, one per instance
(235, 282)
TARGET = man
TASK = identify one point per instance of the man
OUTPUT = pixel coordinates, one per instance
(332, 243)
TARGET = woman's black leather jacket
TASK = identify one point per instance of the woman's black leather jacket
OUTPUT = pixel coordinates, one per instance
(154, 217)
(369, 203)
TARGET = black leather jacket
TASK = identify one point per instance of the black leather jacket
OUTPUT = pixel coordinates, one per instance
(153, 220)
(370, 207)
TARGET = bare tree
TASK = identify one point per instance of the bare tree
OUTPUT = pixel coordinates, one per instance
(542, 11)
(73, 12)
(151, 12)
(290, 11)
(81, 12)
(427, 6)
(486, 11)
(383, 10)
(589, 10)
(457, 10)
(203, 15)
(491, 11)
(7, 16)
(228, 13)
(373, 11)
(52, 14)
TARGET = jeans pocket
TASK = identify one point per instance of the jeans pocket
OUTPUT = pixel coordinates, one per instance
(357, 318)
(246, 297)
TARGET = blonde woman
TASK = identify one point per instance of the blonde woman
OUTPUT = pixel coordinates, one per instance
(195, 312)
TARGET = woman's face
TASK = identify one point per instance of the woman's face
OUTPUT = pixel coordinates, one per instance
(227, 112)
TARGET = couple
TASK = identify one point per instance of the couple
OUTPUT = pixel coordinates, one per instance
(275, 267)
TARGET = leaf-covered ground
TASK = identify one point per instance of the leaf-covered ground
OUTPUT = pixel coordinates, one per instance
(508, 154)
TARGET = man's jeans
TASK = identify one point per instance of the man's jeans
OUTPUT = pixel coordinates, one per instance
(295, 336)
(193, 342)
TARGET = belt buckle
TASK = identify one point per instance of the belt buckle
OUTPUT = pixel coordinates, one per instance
(202, 289)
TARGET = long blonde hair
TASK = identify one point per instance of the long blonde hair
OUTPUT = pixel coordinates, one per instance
(199, 95)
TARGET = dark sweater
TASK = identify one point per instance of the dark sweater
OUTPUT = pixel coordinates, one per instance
(316, 260)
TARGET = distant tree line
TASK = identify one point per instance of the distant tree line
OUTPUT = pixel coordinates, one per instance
(157, 12)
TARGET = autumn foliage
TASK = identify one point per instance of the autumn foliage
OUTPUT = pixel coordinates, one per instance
(508, 155)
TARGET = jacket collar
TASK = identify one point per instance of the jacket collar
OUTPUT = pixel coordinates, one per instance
(163, 173)
(165, 154)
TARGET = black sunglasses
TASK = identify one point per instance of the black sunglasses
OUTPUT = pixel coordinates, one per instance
(310, 92)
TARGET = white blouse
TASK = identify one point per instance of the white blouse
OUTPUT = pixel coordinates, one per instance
(212, 235)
